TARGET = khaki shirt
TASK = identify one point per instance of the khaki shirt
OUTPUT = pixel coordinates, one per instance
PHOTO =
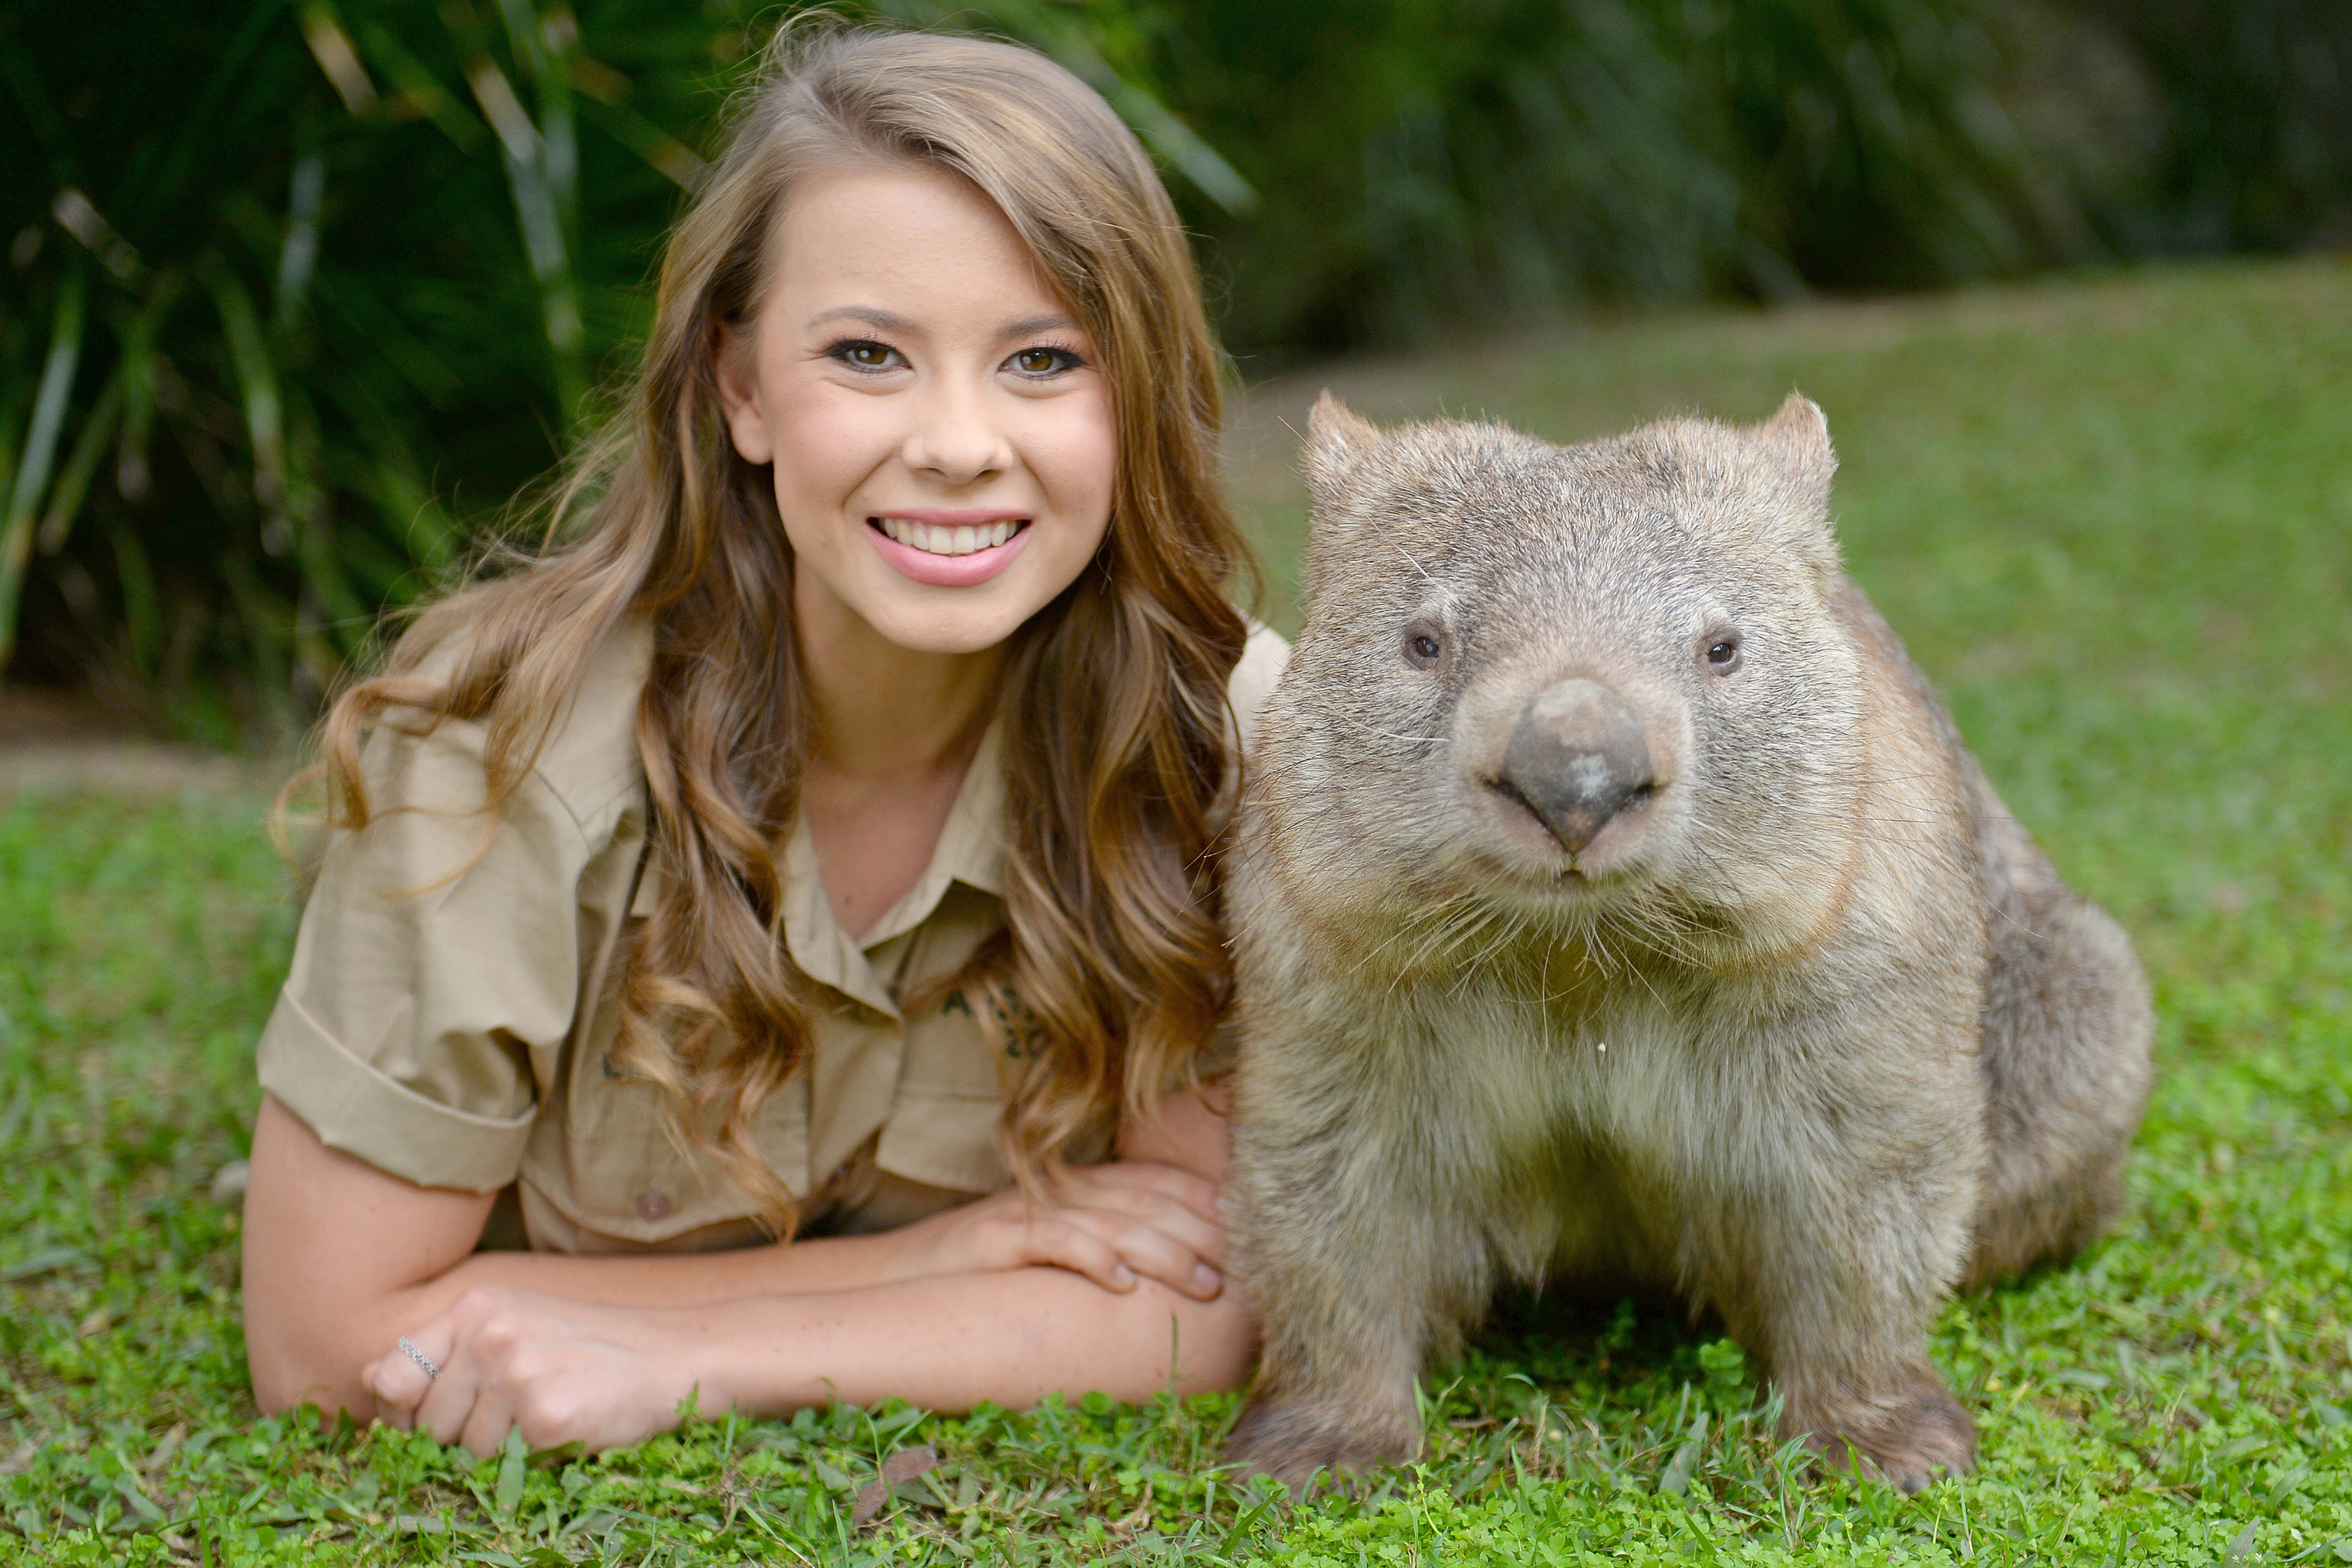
(454, 998)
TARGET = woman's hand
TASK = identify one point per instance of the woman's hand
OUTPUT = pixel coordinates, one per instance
(1113, 1224)
(563, 1372)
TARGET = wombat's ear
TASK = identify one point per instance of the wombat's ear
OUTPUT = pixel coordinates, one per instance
(1795, 445)
(1336, 440)
(1797, 439)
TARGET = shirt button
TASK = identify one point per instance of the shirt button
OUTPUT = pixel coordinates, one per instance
(651, 1207)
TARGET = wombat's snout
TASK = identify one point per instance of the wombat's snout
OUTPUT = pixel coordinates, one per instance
(1576, 756)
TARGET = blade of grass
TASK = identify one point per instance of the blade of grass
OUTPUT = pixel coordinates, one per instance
(525, 154)
(298, 259)
(89, 445)
(39, 449)
(142, 618)
(331, 47)
(418, 85)
(670, 158)
(257, 377)
(543, 50)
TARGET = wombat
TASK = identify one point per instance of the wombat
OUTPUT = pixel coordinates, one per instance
(1612, 899)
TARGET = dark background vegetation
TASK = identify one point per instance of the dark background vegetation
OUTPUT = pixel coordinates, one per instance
(297, 292)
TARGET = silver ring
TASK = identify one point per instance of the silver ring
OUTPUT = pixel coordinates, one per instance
(419, 1357)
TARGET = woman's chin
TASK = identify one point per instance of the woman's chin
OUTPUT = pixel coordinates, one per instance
(946, 620)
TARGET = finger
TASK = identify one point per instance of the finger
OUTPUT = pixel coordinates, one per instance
(468, 1365)
(494, 1414)
(1179, 1222)
(1152, 1252)
(1065, 1244)
(399, 1385)
(1194, 1191)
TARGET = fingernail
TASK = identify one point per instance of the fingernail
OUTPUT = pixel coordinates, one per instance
(1124, 1275)
(1208, 1280)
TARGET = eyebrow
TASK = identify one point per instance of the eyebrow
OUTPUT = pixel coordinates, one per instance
(890, 323)
(865, 313)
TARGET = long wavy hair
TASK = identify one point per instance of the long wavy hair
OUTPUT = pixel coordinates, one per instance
(1118, 742)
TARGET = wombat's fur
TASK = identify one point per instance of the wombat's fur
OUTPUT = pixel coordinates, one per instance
(1612, 899)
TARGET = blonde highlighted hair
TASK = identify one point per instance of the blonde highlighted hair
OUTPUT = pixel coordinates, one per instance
(1117, 733)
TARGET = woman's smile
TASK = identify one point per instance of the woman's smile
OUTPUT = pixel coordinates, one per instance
(949, 547)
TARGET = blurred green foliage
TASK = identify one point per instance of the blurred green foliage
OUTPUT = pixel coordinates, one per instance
(299, 292)
(317, 286)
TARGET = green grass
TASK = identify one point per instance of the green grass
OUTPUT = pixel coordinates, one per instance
(2113, 518)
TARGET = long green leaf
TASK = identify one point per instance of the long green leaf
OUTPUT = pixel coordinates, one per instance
(265, 418)
(420, 87)
(670, 157)
(298, 259)
(89, 445)
(331, 47)
(40, 450)
(142, 617)
(538, 198)
(542, 49)
(139, 374)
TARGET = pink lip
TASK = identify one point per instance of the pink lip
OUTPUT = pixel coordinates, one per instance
(950, 571)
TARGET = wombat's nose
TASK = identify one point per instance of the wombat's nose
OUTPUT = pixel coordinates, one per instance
(1575, 757)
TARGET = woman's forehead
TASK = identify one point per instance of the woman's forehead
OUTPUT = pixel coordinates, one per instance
(904, 247)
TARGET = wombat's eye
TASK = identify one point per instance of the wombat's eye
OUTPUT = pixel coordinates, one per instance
(1723, 654)
(1422, 646)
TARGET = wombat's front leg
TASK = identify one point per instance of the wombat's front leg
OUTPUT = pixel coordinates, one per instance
(1355, 1264)
(1832, 1292)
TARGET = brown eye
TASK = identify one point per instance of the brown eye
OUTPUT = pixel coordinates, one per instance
(1723, 655)
(1036, 362)
(867, 355)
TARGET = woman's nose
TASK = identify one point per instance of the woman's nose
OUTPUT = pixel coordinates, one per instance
(955, 437)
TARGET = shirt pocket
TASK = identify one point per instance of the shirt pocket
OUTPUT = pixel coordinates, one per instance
(943, 1123)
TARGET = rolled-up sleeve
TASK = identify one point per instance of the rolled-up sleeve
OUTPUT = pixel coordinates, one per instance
(438, 955)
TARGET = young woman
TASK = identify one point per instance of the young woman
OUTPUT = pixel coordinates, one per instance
(769, 949)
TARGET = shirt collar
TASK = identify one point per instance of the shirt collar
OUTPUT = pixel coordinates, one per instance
(971, 850)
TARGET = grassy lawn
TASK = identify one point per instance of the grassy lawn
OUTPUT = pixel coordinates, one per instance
(2113, 518)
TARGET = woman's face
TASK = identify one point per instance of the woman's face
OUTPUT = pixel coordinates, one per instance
(943, 437)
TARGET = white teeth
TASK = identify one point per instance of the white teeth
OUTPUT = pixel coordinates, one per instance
(935, 541)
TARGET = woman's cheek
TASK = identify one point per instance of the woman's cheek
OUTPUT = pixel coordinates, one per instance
(1074, 456)
(828, 440)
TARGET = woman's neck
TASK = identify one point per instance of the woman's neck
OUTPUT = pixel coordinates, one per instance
(881, 711)
(893, 731)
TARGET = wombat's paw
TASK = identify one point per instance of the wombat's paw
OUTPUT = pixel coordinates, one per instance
(1291, 1442)
(1917, 1436)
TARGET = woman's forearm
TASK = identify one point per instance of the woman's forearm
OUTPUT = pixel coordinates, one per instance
(948, 1342)
(687, 1279)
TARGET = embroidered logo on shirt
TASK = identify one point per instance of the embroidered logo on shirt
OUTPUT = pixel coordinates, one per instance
(1009, 1018)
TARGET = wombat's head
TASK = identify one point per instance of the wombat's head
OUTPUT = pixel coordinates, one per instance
(1567, 683)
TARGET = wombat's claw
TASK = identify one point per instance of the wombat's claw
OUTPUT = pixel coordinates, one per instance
(1308, 1452)
(1926, 1438)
